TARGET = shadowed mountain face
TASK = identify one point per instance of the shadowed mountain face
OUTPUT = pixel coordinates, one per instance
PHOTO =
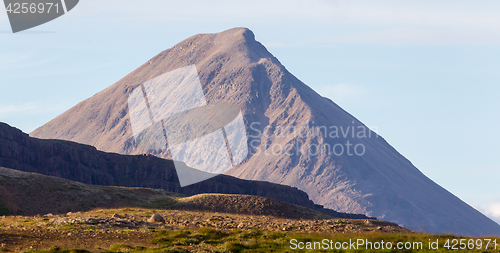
(296, 136)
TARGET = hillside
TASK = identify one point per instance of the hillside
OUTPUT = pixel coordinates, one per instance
(26, 193)
(31, 194)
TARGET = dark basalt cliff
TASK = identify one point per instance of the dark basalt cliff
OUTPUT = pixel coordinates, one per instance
(86, 164)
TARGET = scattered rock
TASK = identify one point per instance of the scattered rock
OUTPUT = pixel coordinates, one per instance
(156, 218)
(110, 223)
(117, 216)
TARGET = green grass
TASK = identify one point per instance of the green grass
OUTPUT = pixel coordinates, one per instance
(125, 248)
(209, 239)
(58, 250)
(214, 240)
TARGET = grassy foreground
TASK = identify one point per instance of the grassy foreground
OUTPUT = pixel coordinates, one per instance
(130, 230)
(214, 240)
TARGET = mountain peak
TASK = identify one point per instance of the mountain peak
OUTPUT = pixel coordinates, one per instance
(237, 42)
(238, 36)
(237, 33)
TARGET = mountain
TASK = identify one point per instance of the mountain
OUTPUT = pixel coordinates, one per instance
(85, 164)
(296, 137)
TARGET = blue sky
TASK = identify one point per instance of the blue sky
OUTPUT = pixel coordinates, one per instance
(425, 74)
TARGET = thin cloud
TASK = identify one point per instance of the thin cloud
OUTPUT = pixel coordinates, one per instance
(28, 64)
(22, 61)
(442, 14)
(493, 211)
(342, 92)
(29, 109)
(381, 22)
(75, 69)
(3, 18)
(419, 36)
(276, 45)
(10, 59)
(490, 169)
(10, 109)
(390, 12)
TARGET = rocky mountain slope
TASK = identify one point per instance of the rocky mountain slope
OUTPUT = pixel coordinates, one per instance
(342, 164)
(85, 164)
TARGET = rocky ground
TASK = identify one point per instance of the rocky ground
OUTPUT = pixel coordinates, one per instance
(134, 228)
